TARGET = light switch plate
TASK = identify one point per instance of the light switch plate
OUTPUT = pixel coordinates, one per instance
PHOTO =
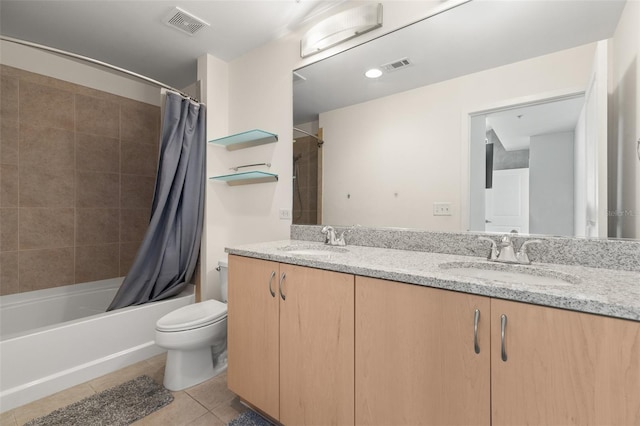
(442, 209)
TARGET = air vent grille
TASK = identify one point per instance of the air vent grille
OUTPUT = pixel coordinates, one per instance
(396, 65)
(183, 21)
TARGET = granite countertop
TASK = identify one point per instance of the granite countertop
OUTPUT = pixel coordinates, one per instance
(609, 292)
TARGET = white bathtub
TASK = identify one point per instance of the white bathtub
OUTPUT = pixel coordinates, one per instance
(57, 338)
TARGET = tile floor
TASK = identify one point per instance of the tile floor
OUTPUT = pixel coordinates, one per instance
(209, 403)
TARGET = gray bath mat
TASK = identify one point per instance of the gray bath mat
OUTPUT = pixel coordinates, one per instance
(120, 405)
(249, 418)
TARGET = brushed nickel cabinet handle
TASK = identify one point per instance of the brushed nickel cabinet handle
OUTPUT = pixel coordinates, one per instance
(476, 320)
(273, 275)
(282, 277)
(503, 327)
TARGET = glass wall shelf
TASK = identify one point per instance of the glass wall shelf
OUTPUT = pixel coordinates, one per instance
(246, 178)
(246, 139)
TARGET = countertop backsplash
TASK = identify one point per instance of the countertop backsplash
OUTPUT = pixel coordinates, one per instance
(590, 252)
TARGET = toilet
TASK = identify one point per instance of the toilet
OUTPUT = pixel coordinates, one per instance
(196, 339)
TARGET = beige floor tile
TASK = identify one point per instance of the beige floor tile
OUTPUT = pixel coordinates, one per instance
(8, 419)
(182, 411)
(212, 393)
(207, 420)
(48, 404)
(118, 377)
(228, 412)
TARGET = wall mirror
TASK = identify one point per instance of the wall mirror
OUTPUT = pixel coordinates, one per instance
(409, 149)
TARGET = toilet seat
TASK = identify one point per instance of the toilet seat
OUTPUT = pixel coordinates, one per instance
(193, 316)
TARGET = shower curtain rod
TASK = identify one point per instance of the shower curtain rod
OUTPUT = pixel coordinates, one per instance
(320, 141)
(97, 62)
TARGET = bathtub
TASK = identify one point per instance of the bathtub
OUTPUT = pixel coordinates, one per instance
(56, 338)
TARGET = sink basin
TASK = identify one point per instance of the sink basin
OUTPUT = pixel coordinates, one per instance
(514, 274)
(315, 250)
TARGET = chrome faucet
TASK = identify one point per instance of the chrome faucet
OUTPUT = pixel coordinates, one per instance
(505, 251)
(331, 238)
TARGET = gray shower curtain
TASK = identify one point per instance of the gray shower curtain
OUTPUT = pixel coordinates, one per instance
(166, 259)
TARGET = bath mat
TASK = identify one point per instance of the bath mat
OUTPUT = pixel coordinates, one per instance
(120, 405)
(250, 418)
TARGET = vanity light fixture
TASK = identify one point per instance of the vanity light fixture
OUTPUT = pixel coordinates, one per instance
(373, 73)
(341, 27)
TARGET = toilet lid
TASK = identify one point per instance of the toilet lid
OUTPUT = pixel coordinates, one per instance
(192, 316)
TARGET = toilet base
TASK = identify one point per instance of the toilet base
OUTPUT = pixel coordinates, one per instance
(186, 368)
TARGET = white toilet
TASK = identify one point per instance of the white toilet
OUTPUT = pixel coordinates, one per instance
(196, 339)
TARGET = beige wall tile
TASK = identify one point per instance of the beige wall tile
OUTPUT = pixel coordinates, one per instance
(9, 140)
(133, 224)
(128, 253)
(8, 229)
(136, 192)
(97, 153)
(46, 106)
(46, 228)
(9, 92)
(46, 188)
(97, 116)
(31, 77)
(46, 268)
(9, 186)
(97, 262)
(44, 148)
(140, 122)
(97, 226)
(139, 158)
(97, 190)
(9, 272)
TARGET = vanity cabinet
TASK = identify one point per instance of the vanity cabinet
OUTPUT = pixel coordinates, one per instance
(291, 341)
(563, 367)
(416, 360)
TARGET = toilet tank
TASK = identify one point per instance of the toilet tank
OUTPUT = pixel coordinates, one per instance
(224, 281)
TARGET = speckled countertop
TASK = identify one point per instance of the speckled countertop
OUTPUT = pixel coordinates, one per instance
(601, 291)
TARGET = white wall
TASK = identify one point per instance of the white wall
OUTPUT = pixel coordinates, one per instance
(418, 157)
(259, 90)
(551, 184)
(624, 165)
(99, 78)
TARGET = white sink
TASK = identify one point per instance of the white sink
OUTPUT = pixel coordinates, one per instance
(315, 250)
(515, 274)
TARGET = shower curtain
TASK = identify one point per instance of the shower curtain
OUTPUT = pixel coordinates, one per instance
(166, 259)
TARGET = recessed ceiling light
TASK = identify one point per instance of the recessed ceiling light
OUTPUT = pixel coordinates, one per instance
(373, 73)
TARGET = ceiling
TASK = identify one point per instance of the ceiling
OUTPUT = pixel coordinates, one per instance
(130, 34)
(473, 37)
(515, 127)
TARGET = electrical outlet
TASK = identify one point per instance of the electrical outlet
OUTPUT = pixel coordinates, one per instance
(442, 209)
(285, 214)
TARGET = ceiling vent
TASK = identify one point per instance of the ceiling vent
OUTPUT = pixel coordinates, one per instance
(396, 65)
(182, 20)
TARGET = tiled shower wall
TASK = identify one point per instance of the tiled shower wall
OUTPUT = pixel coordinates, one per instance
(77, 173)
(305, 187)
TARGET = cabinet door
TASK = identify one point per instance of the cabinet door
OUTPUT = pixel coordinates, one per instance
(416, 362)
(316, 347)
(253, 334)
(563, 367)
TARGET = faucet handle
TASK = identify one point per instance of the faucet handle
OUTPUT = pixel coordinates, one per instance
(493, 254)
(523, 255)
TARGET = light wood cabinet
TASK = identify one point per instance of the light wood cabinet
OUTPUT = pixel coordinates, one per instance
(308, 346)
(253, 333)
(563, 368)
(298, 368)
(416, 360)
